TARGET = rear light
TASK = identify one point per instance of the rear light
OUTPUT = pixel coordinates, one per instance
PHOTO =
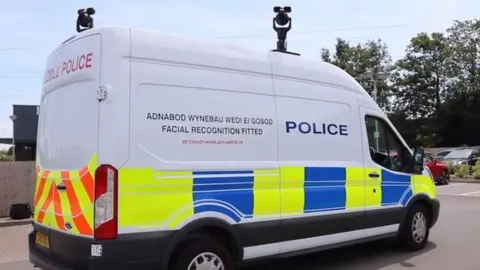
(106, 202)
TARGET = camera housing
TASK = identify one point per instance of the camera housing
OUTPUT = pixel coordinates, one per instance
(85, 19)
(282, 23)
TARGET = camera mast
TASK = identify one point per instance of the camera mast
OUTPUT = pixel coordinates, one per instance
(284, 22)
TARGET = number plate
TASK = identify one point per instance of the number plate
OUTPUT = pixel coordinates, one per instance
(42, 240)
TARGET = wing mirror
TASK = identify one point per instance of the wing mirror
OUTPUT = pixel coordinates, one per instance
(418, 156)
(418, 159)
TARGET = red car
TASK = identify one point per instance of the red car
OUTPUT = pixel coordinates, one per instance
(438, 168)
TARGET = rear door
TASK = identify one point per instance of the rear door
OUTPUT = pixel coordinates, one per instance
(68, 138)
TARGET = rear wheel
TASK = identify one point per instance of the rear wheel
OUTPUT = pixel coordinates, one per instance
(416, 230)
(202, 253)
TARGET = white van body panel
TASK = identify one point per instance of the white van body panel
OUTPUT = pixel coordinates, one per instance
(157, 79)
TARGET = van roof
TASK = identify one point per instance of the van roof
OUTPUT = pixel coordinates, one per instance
(163, 47)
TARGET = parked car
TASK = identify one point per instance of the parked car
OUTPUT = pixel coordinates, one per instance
(440, 155)
(438, 168)
(468, 156)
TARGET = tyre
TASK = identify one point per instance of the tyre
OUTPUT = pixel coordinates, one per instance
(445, 178)
(200, 253)
(416, 230)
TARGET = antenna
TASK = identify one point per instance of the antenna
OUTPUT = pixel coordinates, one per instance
(285, 22)
(85, 19)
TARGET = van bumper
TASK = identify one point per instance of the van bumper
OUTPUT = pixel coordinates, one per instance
(435, 211)
(69, 252)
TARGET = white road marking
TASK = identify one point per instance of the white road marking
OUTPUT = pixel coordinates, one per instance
(460, 195)
(471, 193)
(451, 185)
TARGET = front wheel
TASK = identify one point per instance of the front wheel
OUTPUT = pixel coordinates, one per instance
(445, 178)
(203, 253)
(416, 230)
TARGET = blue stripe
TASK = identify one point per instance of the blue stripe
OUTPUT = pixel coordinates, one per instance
(221, 172)
(242, 200)
(236, 191)
(223, 180)
(218, 209)
(394, 186)
(323, 198)
(325, 188)
(223, 187)
(407, 197)
(392, 194)
(316, 184)
(325, 174)
(388, 176)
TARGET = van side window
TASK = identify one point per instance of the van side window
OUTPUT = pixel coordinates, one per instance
(386, 148)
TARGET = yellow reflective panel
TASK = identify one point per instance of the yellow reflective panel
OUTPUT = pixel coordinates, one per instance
(292, 190)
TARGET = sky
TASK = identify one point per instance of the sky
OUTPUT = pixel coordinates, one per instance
(31, 29)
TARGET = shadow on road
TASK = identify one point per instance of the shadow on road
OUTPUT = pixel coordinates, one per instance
(369, 256)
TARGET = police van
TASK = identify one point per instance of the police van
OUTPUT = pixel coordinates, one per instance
(163, 152)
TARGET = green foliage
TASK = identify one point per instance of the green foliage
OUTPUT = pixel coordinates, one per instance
(462, 171)
(358, 59)
(433, 93)
(476, 170)
(451, 167)
(6, 155)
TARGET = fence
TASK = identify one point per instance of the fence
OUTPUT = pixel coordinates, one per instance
(17, 184)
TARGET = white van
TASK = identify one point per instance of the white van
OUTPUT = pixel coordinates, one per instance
(162, 152)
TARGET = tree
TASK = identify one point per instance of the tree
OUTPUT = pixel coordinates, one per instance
(462, 109)
(422, 76)
(433, 93)
(464, 39)
(356, 60)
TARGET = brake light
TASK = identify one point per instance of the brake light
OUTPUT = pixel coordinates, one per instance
(106, 202)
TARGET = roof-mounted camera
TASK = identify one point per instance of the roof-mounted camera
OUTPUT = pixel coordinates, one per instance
(282, 23)
(85, 19)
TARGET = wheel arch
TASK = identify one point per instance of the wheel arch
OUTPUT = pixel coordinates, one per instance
(215, 227)
(422, 199)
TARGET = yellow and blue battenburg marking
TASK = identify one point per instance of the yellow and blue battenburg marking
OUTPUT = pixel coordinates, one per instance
(304, 190)
(260, 193)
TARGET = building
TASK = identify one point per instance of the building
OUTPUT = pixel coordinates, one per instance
(25, 126)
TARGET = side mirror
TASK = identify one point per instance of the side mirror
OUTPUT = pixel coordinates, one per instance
(418, 156)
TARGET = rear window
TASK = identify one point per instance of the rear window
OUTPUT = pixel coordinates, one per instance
(67, 128)
(442, 154)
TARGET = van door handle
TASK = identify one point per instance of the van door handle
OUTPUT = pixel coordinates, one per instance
(61, 187)
(374, 175)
